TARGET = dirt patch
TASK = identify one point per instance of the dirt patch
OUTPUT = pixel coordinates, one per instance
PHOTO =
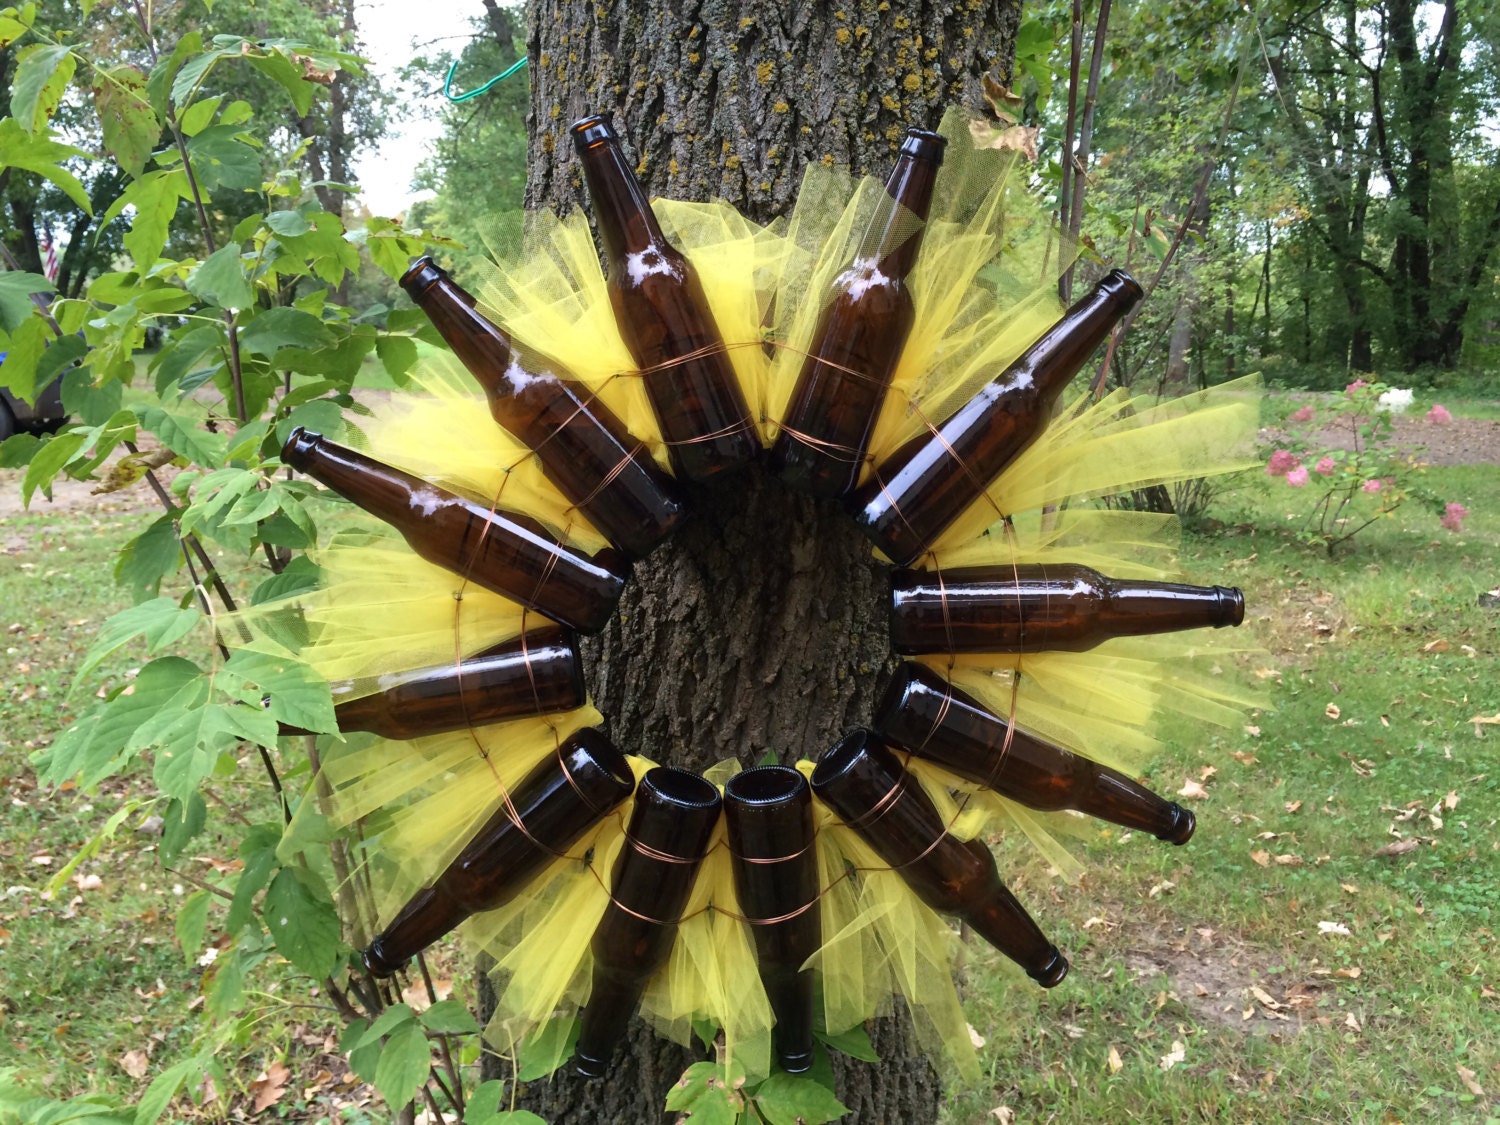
(1462, 441)
(1224, 982)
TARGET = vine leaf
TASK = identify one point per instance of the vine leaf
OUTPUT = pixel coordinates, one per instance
(43, 74)
(131, 128)
(403, 1066)
(38, 152)
(795, 1099)
(303, 924)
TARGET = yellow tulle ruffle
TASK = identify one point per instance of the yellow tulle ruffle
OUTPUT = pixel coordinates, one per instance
(984, 291)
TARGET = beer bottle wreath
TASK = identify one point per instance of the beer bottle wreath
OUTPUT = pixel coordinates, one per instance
(897, 346)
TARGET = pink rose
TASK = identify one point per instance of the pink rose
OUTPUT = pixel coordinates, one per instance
(1453, 519)
(1303, 415)
(1297, 477)
(1354, 386)
(1439, 415)
(1324, 466)
(1372, 486)
(1281, 463)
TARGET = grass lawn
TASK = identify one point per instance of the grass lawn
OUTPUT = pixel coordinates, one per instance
(1322, 951)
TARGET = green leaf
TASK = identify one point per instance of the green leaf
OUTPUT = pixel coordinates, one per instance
(276, 66)
(159, 621)
(295, 693)
(220, 278)
(403, 1066)
(288, 223)
(48, 461)
(704, 1095)
(154, 554)
(28, 346)
(300, 576)
(181, 434)
(183, 820)
(16, 305)
(155, 197)
(539, 1055)
(164, 1088)
(283, 328)
(131, 128)
(18, 450)
(855, 1043)
(253, 878)
(393, 1017)
(178, 357)
(37, 152)
(321, 416)
(198, 116)
(221, 159)
(398, 354)
(483, 1104)
(451, 1017)
(795, 1099)
(43, 73)
(192, 923)
(191, 72)
(160, 81)
(14, 24)
(303, 923)
(226, 986)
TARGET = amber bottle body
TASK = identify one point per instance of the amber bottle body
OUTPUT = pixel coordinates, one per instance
(1033, 608)
(865, 783)
(918, 491)
(857, 344)
(664, 318)
(668, 835)
(769, 817)
(583, 447)
(506, 552)
(535, 674)
(925, 715)
(547, 812)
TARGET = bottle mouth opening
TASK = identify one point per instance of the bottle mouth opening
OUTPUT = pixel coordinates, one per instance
(1120, 282)
(840, 758)
(1231, 606)
(605, 757)
(587, 131)
(422, 273)
(765, 785)
(299, 445)
(678, 787)
(894, 698)
(925, 144)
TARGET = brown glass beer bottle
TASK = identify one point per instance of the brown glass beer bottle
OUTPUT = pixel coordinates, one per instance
(862, 781)
(506, 552)
(664, 317)
(546, 813)
(537, 673)
(1052, 608)
(584, 449)
(768, 813)
(857, 343)
(668, 836)
(925, 715)
(916, 492)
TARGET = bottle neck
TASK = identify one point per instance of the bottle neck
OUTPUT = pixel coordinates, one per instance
(479, 344)
(1137, 608)
(1065, 347)
(894, 236)
(621, 207)
(383, 491)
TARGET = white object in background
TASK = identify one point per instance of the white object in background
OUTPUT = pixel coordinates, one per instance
(1395, 400)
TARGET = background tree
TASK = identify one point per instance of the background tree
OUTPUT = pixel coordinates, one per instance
(759, 627)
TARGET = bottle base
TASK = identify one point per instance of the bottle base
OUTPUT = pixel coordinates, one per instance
(798, 1062)
(588, 1066)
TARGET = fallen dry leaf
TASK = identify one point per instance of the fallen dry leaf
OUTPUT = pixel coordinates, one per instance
(1351, 973)
(1166, 886)
(1289, 860)
(1351, 1023)
(1003, 1114)
(135, 1063)
(1177, 1054)
(1261, 857)
(1332, 711)
(1115, 1061)
(1292, 806)
(1207, 772)
(1192, 790)
(1398, 847)
(1252, 731)
(1244, 759)
(88, 882)
(975, 1038)
(1466, 1076)
(1438, 645)
(267, 1090)
(1266, 999)
(1333, 928)
(1450, 802)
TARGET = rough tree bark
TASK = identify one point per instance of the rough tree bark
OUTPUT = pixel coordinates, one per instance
(760, 626)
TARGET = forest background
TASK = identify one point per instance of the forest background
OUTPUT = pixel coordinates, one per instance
(1313, 192)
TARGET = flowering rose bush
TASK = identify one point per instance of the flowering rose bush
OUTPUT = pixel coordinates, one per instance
(1364, 479)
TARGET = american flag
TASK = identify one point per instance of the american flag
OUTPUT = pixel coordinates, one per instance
(49, 259)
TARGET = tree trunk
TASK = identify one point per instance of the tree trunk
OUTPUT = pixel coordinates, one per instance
(760, 627)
